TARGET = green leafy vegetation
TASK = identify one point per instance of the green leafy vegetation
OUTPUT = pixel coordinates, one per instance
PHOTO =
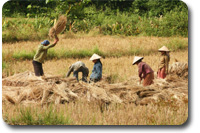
(177, 44)
(33, 19)
(33, 116)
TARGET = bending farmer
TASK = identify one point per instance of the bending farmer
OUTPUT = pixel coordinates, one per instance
(40, 56)
(144, 70)
(76, 68)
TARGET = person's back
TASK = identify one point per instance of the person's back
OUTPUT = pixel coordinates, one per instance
(40, 56)
(144, 69)
(41, 52)
(77, 67)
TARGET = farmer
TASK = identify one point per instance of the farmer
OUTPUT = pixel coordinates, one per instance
(41, 55)
(144, 70)
(76, 68)
(164, 62)
(97, 68)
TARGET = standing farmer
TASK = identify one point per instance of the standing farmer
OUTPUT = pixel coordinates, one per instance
(97, 68)
(164, 62)
(144, 70)
(40, 56)
(77, 67)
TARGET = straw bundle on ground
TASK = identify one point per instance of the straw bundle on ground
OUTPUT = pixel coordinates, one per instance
(179, 68)
(25, 88)
(58, 27)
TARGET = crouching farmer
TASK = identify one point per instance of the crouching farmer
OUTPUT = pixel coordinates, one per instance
(40, 56)
(97, 68)
(144, 70)
(76, 68)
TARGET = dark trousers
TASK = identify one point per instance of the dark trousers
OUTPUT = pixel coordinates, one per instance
(84, 74)
(38, 68)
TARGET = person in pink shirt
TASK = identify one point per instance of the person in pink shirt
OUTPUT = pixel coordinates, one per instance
(144, 70)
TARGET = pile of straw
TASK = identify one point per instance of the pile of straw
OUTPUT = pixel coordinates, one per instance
(58, 27)
(25, 88)
(179, 68)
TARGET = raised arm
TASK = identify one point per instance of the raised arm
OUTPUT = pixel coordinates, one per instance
(52, 45)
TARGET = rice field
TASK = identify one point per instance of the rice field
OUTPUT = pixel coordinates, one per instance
(115, 50)
(122, 66)
(118, 65)
(106, 44)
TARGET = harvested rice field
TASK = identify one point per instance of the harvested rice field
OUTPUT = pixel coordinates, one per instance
(118, 99)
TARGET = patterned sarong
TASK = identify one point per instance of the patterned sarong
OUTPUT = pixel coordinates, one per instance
(161, 73)
(148, 80)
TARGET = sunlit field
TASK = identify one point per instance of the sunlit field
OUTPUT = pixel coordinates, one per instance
(122, 66)
(83, 113)
(118, 53)
(115, 30)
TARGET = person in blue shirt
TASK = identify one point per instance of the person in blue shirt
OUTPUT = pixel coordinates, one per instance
(97, 68)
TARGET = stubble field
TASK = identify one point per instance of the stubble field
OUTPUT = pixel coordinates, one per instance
(118, 53)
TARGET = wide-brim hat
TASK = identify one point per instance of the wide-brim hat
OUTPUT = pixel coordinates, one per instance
(136, 59)
(95, 57)
(164, 48)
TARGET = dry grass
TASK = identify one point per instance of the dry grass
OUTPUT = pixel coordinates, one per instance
(167, 103)
(107, 44)
(58, 27)
(121, 66)
(83, 113)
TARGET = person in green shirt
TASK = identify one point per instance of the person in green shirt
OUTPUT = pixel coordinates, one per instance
(40, 56)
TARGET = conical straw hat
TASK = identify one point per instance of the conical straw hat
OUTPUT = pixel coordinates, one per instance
(137, 58)
(164, 48)
(95, 57)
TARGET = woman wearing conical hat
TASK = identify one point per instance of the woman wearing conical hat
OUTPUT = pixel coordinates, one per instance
(144, 70)
(97, 68)
(164, 62)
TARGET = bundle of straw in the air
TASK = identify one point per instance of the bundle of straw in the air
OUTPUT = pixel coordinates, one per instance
(58, 27)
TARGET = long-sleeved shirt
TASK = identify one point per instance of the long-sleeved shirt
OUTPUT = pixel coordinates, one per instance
(75, 67)
(42, 52)
(144, 69)
(97, 71)
(164, 62)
